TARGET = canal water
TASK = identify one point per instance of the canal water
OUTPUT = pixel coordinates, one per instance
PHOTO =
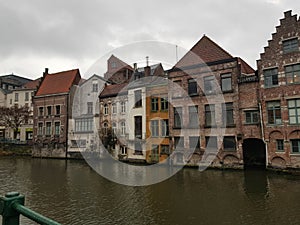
(72, 193)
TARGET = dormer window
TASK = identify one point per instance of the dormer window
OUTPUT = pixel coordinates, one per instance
(290, 45)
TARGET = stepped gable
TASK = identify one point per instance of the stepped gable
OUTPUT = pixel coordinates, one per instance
(58, 83)
(288, 28)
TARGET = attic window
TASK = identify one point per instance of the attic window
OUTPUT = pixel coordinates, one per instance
(113, 65)
(290, 45)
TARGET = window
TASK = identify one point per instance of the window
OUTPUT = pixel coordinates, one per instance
(155, 153)
(274, 112)
(294, 111)
(228, 119)
(252, 117)
(48, 128)
(209, 84)
(138, 98)
(16, 97)
(229, 143)
(78, 143)
(226, 84)
(89, 108)
(138, 148)
(105, 128)
(41, 111)
(114, 128)
(123, 107)
(114, 108)
(211, 142)
(164, 128)
(105, 111)
(164, 149)
(194, 142)
(95, 86)
(177, 89)
(57, 109)
(57, 128)
(292, 74)
(84, 125)
(193, 116)
(295, 145)
(40, 129)
(177, 117)
(123, 128)
(179, 142)
(49, 110)
(123, 150)
(154, 104)
(192, 87)
(270, 77)
(113, 65)
(10, 101)
(154, 128)
(290, 45)
(210, 119)
(279, 145)
(164, 105)
(26, 96)
(138, 127)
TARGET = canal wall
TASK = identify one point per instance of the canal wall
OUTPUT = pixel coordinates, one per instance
(7, 149)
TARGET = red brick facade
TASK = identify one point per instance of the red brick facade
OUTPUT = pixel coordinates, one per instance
(279, 72)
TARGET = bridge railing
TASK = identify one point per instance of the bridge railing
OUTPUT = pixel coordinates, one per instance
(12, 206)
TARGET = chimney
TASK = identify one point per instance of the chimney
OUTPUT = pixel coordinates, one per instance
(134, 66)
(147, 71)
(46, 72)
(147, 67)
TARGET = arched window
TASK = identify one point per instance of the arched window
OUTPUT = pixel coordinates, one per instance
(105, 109)
(123, 128)
(114, 108)
(105, 128)
(123, 107)
(114, 128)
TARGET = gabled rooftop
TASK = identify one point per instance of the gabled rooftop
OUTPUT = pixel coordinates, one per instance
(113, 90)
(58, 83)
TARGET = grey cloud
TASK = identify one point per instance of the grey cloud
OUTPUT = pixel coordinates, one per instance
(82, 31)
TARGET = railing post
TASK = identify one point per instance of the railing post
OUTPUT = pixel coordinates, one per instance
(9, 215)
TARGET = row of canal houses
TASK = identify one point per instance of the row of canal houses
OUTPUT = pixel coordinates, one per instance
(209, 102)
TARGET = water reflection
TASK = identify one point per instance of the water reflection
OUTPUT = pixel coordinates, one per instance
(72, 193)
(256, 182)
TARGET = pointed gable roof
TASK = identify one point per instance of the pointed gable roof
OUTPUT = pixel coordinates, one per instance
(204, 51)
(113, 90)
(32, 84)
(58, 83)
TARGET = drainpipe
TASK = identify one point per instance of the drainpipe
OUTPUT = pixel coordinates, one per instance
(262, 132)
(67, 125)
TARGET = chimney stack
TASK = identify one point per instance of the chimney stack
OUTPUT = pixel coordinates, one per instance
(46, 72)
(134, 66)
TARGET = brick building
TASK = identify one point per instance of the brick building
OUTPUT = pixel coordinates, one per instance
(279, 72)
(205, 111)
(52, 107)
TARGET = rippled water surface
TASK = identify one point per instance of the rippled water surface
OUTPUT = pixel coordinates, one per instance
(72, 193)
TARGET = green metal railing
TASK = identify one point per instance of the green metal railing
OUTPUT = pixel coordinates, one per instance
(12, 205)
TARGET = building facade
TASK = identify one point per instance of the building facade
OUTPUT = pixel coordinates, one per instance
(279, 72)
(204, 111)
(52, 106)
(84, 121)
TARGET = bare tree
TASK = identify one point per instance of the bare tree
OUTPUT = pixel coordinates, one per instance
(13, 117)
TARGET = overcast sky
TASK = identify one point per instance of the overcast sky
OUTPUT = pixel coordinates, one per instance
(63, 35)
